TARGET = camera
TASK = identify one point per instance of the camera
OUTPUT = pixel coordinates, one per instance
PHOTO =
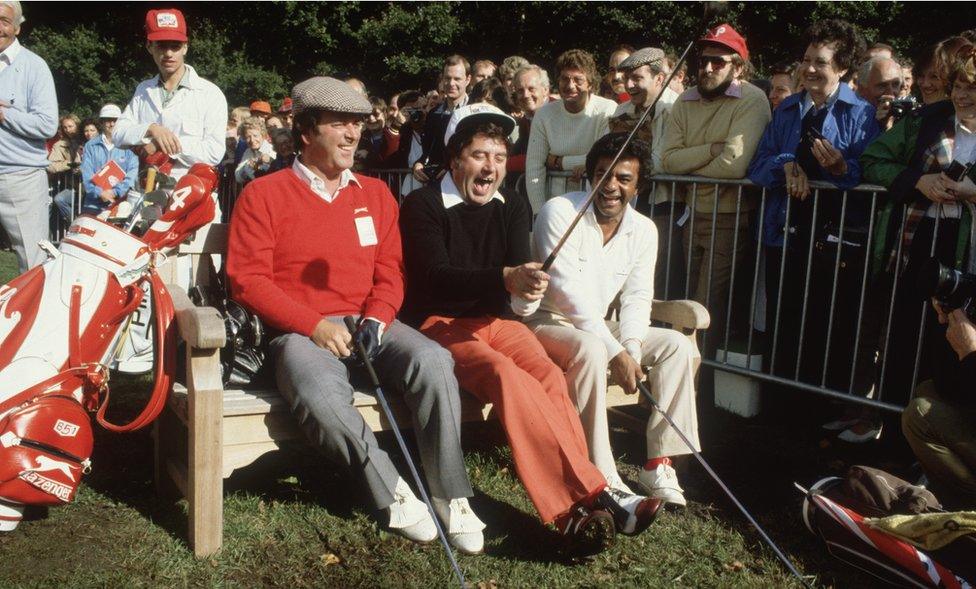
(952, 288)
(902, 106)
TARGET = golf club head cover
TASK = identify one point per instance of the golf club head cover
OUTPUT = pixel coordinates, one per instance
(190, 207)
(369, 334)
(206, 173)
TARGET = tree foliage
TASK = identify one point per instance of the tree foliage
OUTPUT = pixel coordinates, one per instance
(258, 50)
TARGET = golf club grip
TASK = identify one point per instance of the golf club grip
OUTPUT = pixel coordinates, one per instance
(361, 350)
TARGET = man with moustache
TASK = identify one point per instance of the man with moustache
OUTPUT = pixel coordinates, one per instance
(176, 113)
(314, 243)
(713, 131)
(611, 254)
(28, 116)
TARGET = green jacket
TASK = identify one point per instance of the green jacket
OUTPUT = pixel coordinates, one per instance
(894, 160)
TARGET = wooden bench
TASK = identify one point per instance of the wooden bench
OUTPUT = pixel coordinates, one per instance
(207, 432)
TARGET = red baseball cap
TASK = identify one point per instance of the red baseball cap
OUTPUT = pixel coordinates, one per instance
(167, 24)
(285, 105)
(261, 106)
(726, 36)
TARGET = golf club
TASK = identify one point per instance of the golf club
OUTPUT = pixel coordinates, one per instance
(762, 533)
(361, 350)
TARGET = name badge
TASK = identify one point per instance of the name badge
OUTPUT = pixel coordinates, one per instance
(366, 231)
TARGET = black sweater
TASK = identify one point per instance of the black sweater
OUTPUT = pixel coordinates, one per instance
(454, 257)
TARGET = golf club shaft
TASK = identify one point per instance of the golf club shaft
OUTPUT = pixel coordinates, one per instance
(361, 350)
(603, 178)
(762, 533)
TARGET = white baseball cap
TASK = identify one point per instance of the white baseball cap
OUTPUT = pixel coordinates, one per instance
(472, 114)
(110, 111)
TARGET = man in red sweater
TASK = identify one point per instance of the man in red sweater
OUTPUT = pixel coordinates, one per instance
(313, 243)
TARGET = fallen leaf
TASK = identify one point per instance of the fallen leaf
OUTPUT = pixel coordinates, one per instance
(329, 559)
(735, 566)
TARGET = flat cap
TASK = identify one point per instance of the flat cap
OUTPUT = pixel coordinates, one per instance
(644, 56)
(330, 94)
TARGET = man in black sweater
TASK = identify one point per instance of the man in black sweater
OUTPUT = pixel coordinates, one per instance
(466, 252)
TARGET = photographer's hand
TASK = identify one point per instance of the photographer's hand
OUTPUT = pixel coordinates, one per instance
(964, 190)
(961, 333)
(829, 157)
(418, 173)
(934, 188)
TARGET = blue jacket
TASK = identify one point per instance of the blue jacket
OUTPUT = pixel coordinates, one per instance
(94, 157)
(849, 126)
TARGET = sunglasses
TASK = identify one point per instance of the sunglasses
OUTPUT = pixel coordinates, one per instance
(717, 61)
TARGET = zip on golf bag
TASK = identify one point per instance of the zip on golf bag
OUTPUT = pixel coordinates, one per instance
(61, 325)
(835, 510)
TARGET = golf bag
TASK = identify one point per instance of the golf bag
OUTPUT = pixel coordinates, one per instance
(835, 510)
(61, 326)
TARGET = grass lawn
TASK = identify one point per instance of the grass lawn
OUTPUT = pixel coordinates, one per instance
(295, 522)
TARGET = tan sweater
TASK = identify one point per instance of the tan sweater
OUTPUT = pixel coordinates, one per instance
(570, 135)
(697, 123)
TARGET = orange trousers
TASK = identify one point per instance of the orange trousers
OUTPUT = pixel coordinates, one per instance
(501, 362)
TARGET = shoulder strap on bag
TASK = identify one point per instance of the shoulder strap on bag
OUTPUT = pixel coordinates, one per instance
(165, 351)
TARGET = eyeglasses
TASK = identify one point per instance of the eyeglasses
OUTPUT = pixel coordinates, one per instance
(717, 61)
(576, 80)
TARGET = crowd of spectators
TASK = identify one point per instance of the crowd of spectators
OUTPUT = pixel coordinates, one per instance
(843, 113)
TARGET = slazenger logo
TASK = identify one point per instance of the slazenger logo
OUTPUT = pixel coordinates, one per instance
(45, 464)
(62, 492)
(166, 20)
(65, 429)
(179, 198)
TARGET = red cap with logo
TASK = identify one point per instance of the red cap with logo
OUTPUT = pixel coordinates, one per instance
(167, 24)
(726, 36)
(285, 105)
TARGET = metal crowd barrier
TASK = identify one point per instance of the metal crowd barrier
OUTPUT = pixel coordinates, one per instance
(868, 310)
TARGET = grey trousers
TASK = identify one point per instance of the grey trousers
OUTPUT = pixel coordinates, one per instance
(316, 384)
(24, 206)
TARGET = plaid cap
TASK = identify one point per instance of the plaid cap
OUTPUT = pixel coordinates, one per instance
(329, 94)
(644, 56)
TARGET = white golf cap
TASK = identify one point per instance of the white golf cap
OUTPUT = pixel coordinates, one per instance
(110, 111)
(472, 114)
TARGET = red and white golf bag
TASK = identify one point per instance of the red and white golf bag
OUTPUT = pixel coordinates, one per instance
(61, 326)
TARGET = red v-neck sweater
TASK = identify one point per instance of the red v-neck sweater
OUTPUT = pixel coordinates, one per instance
(293, 258)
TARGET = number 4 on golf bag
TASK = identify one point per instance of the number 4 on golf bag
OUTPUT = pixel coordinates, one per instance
(62, 324)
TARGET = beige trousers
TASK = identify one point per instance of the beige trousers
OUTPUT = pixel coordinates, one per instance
(670, 358)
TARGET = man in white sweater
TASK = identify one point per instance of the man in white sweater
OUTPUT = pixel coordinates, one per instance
(611, 253)
(563, 131)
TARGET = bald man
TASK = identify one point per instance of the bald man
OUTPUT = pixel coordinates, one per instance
(879, 82)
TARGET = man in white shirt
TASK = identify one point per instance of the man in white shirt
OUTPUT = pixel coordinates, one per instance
(564, 130)
(612, 253)
(176, 112)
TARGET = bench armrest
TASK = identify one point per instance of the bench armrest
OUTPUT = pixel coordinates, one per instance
(681, 315)
(200, 327)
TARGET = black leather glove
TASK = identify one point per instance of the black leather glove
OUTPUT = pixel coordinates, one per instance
(368, 334)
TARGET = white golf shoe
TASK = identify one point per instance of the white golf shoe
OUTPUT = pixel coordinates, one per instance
(409, 517)
(662, 483)
(462, 526)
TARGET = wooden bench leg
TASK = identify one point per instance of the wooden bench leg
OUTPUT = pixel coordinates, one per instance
(205, 488)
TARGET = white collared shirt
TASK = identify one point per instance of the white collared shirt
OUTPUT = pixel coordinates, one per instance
(197, 114)
(587, 274)
(964, 144)
(318, 185)
(9, 54)
(451, 196)
(808, 102)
